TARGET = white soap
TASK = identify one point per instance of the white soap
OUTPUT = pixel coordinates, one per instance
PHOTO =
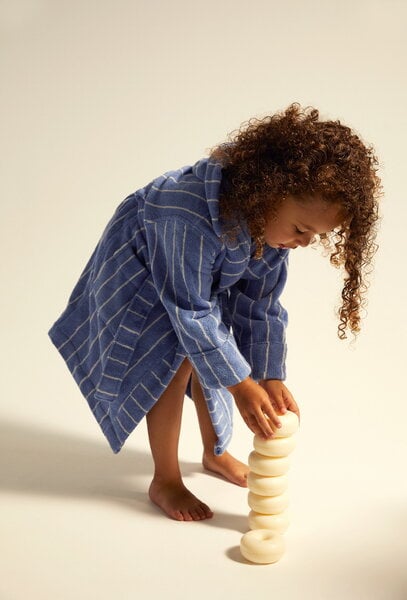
(278, 522)
(262, 546)
(267, 486)
(268, 505)
(289, 424)
(267, 465)
(274, 447)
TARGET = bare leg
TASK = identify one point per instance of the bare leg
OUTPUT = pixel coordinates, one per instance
(226, 465)
(167, 489)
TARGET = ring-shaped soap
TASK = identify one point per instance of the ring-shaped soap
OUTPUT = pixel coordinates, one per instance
(262, 546)
(278, 522)
(289, 424)
(268, 505)
(275, 447)
(267, 486)
(267, 465)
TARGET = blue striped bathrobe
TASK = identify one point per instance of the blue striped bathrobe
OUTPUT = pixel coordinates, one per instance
(163, 284)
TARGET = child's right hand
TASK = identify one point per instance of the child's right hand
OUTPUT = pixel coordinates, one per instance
(255, 407)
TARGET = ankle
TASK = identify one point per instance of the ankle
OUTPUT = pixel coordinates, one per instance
(167, 478)
(208, 455)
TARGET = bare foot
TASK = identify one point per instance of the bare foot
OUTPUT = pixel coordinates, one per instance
(229, 467)
(177, 501)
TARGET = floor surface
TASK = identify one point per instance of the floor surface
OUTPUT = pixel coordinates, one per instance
(76, 522)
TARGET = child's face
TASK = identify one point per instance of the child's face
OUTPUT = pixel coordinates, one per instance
(298, 221)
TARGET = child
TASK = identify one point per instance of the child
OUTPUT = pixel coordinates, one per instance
(182, 292)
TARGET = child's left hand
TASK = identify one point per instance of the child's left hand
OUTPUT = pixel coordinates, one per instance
(280, 396)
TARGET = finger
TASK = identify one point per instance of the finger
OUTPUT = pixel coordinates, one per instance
(292, 405)
(265, 425)
(279, 404)
(252, 424)
(260, 425)
(296, 410)
(271, 417)
(282, 409)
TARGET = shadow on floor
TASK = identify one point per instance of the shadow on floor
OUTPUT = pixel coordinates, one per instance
(35, 460)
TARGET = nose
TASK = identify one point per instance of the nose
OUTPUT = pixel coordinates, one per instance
(305, 239)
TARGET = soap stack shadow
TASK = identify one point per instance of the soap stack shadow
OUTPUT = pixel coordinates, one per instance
(268, 499)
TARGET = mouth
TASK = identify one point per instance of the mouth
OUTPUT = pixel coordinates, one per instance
(282, 247)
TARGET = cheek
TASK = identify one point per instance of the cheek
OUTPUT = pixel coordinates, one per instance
(286, 234)
(279, 232)
(272, 233)
(277, 236)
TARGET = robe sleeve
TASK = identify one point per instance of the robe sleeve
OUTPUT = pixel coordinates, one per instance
(259, 320)
(182, 258)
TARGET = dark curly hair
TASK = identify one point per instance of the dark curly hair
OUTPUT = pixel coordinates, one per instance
(294, 152)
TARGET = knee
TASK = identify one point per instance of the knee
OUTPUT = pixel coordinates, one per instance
(184, 372)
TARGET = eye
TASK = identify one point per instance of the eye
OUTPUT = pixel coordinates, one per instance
(298, 230)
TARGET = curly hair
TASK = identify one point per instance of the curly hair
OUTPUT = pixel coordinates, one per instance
(294, 152)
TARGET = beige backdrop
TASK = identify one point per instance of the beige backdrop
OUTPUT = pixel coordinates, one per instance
(97, 98)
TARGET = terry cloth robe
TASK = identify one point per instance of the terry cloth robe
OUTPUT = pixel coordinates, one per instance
(164, 284)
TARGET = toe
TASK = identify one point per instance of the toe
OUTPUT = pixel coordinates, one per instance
(177, 515)
(199, 513)
(243, 481)
(196, 514)
(187, 515)
(207, 511)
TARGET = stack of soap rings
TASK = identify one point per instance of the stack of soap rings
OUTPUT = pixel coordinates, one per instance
(268, 499)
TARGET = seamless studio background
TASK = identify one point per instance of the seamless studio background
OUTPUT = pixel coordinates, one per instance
(97, 99)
